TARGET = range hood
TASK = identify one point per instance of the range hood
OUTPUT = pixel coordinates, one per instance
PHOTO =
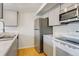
(69, 16)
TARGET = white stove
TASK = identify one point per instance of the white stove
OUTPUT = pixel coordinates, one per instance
(65, 47)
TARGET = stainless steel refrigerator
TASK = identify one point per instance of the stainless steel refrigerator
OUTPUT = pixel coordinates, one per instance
(41, 27)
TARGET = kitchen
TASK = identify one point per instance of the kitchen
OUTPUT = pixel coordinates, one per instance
(39, 29)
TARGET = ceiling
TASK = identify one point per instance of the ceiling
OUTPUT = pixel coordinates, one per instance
(22, 7)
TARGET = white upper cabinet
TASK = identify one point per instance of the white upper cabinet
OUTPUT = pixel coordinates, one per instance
(10, 18)
(68, 6)
(54, 17)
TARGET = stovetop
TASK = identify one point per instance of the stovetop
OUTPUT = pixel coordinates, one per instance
(68, 41)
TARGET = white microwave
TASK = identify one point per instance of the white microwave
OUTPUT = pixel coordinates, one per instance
(69, 16)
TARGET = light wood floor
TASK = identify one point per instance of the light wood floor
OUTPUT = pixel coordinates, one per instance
(29, 52)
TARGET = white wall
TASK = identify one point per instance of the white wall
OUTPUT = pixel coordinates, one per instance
(10, 17)
(26, 30)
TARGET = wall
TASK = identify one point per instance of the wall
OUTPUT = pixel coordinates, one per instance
(26, 30)
(10, 17)
(63, 29)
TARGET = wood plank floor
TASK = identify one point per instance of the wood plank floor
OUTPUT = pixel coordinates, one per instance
(29, 52)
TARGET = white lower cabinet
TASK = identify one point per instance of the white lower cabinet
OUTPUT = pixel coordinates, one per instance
(48, 45)
(13, 49)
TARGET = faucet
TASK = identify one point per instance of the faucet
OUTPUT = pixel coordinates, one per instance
(1, 20)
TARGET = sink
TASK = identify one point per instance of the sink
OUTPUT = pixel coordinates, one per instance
(6, 36)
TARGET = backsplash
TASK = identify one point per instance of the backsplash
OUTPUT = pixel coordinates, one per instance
(7, 29)
(66, 29)
(11, 29)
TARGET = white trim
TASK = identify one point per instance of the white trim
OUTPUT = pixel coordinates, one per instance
(68, 20)
(26, 47)
(45, 8)
(41, 8)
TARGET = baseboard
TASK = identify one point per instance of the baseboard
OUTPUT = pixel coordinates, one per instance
(26, 47)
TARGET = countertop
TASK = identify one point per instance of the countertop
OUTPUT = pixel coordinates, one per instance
(5, 45)
(49, 35)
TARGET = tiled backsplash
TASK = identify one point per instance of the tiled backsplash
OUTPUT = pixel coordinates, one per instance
(66, 29)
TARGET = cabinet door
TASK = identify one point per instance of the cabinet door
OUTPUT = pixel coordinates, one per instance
(13, 49)
(54, 17)
(48, 45)
(10, 18)
(67, 6)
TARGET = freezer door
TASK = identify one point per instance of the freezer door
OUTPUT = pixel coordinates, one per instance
(44, 28)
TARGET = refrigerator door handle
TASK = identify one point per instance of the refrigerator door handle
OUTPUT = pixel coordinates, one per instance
(36, 29)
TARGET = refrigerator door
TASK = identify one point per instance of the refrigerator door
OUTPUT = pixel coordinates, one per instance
(44, 28)
(38, 41)
(37, 25)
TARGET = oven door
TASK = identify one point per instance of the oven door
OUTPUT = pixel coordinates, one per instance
(60, 52)
(64, 48)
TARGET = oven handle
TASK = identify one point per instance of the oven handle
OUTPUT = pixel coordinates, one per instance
(64, 43)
